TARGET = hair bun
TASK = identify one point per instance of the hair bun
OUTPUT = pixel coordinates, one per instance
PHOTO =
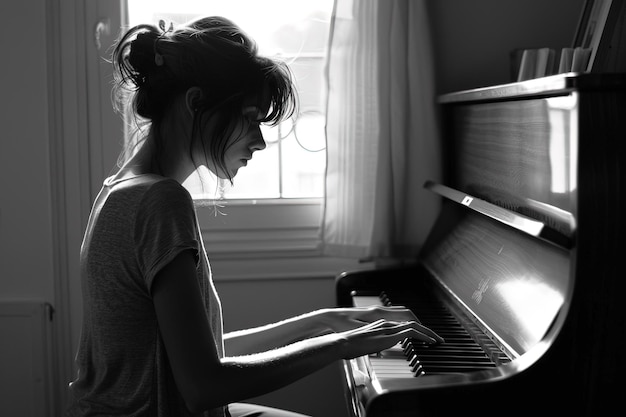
(142, 53)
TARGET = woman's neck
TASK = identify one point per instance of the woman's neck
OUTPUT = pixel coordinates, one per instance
(172, 162)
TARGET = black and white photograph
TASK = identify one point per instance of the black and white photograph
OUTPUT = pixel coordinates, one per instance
(312, 208)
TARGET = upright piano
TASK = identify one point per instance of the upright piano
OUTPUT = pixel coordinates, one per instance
(522, 273)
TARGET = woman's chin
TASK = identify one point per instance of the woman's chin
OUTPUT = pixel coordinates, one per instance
(231, 174)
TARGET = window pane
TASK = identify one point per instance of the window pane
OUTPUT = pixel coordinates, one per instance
(310, 83)
(304, 157)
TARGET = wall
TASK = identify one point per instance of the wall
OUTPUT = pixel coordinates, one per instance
(26, 221)
(473, 39)
(26, 255)
(42, 206)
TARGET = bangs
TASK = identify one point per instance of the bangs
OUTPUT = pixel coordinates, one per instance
(278, 100)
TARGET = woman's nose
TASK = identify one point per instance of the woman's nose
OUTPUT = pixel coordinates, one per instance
(258, 143)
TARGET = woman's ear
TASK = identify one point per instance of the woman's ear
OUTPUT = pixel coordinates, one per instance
(193, 96)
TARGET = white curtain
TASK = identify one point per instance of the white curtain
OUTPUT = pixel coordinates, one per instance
(382, 140)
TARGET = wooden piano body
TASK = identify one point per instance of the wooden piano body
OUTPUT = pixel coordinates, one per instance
(528, 254)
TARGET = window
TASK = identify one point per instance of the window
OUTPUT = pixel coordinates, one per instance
(293, 164)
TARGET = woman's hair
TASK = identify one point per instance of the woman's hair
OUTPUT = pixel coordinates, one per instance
(152, 66)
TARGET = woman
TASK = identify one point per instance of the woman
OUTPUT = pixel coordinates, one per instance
(152, 341)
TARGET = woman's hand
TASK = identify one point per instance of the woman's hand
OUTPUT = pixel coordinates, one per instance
(344, 319)
(380, 335)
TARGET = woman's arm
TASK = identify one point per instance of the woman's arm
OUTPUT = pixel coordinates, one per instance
(271, 336)
(316, 323)
(205, 381)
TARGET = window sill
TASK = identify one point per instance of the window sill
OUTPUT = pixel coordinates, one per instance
(276, 268)
(276, 229)
(268, 239)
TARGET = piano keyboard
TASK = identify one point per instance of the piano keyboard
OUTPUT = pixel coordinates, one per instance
(466, 347)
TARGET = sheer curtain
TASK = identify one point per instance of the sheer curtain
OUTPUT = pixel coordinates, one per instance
(382, 140)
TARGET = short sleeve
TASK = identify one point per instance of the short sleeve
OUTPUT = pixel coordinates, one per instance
(165, 226)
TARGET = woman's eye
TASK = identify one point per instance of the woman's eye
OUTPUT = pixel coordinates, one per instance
(253, 114)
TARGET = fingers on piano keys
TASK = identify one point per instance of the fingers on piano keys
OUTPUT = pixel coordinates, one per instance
(461, 352)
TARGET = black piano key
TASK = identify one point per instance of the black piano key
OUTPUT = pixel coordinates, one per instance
(474, 356)
(449, 347)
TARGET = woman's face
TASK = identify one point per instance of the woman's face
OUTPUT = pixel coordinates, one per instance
(244, 141)
(242, 146)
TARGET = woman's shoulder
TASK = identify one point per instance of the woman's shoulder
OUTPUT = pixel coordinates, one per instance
(121, 180)
(151, 188)
(142, 181)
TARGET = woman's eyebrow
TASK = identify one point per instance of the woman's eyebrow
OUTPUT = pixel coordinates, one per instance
(254, 111)
(250, 109)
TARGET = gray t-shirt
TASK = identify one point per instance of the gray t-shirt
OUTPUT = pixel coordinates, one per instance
(137, 226)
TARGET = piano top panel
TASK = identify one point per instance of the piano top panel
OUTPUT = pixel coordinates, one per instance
(559, 84)
(520, 155)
